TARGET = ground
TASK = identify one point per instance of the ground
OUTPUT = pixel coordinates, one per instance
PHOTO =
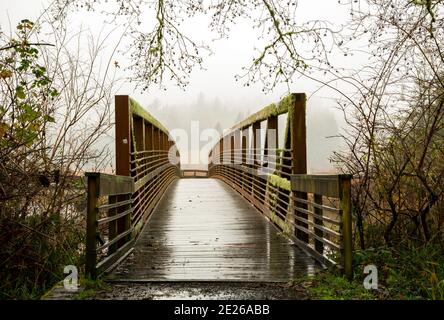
(189, 291)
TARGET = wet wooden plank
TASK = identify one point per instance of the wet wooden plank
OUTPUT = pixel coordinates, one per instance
(202, 230)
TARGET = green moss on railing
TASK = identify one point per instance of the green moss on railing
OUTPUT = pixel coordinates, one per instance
(279, 182)
(271, 110)
(137, 109)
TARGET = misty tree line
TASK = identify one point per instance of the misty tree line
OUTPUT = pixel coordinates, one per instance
(393, 107)
(322, 126)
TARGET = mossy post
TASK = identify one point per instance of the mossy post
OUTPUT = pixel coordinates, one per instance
(232, 141)
(256, 161)
(299, 156)
(91, 227)
(123, 152)
(244, 146)
(148, 138)
(139, 139)
(271, 140)
(221, 151)
(156, 143)
(237, 147)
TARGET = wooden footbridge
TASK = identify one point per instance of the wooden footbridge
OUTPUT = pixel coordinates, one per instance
(254, 215)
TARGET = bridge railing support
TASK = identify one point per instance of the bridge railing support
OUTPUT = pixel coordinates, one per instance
(147, 161)
(265, 173)
(108, 205)
(327, 217)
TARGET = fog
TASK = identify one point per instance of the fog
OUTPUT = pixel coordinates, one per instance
(213, 97)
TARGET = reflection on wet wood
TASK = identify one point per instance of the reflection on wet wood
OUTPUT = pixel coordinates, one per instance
(204, 231)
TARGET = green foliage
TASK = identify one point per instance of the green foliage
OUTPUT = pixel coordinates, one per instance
(271, 110)
(139, 110)
(39, 261)
(20, 69)
(408, 271)
(332, 286)
(279, 182)
(40, 234)
(90, 288)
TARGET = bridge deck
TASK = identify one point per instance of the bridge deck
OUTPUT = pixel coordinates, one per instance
(202, 230)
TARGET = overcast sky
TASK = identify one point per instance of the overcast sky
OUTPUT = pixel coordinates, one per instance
(217, 81)
(229, 55)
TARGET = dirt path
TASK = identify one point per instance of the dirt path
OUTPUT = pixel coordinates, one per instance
(201, 291)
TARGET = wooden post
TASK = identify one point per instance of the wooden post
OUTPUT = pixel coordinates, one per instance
(299, 156)
(299, 135)
(346, 226)
(269, 157)
(256, 148)
(287, 161)
(256, 143)
(271, 141)
(244, 146)
(165, 142)
(237, 146)
(226, 149)
(123, 152)
(156, 140)
(91, 227)
(149, 137)
(123, 137)
(148, 133)
(221, 151)
(232, 144)
(139, 136)
(319, 245)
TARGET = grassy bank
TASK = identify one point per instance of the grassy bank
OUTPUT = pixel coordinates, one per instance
(404, 272)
